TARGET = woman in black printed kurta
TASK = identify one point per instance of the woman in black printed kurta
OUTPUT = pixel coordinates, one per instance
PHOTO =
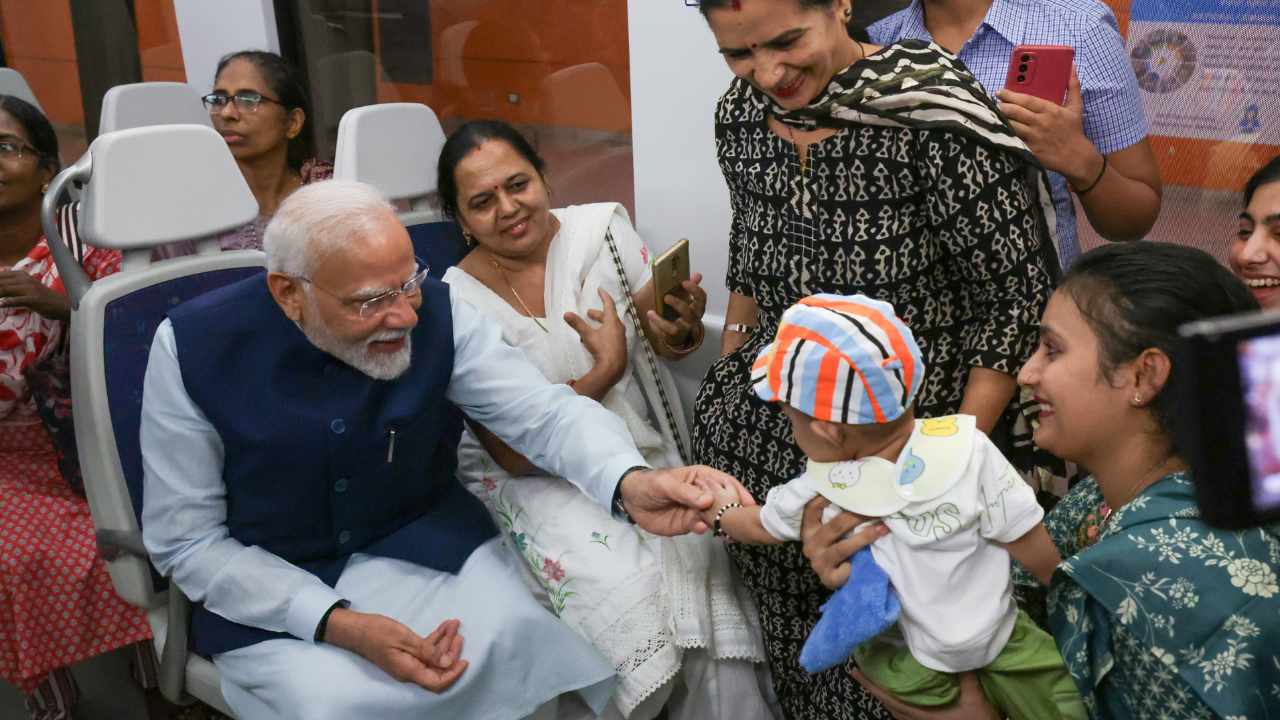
(943, 218)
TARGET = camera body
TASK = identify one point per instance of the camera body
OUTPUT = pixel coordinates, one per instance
(1227, 422)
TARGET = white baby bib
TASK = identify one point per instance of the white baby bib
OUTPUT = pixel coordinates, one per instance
(861, 486)
(930, 465)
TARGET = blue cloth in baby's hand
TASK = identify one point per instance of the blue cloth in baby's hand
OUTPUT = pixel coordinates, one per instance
(857, 612)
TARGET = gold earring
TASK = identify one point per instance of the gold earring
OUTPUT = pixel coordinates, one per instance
(1137, 398)
(45, 189)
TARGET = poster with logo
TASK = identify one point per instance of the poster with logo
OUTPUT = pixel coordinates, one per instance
(1208, 69)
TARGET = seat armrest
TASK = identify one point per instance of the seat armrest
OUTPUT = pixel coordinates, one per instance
(173, 658)
(111, 543)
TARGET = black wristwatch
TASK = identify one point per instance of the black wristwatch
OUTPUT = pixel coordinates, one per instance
(619, 510)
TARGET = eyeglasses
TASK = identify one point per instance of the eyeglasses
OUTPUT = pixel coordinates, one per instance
(246, 101)
(376, 306)
(13, 149)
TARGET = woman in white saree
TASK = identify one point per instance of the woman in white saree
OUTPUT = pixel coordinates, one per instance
(666, 612)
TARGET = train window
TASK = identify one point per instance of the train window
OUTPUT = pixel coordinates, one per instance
(158, 44)
(70, 52)
(39, 43)
(559, 71)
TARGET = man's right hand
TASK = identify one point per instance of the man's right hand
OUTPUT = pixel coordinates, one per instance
(670, 501)
(431, 662)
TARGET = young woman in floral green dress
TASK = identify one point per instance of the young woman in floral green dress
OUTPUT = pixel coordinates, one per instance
(1157, 614)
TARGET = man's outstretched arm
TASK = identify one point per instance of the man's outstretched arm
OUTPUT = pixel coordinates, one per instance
(567, 434)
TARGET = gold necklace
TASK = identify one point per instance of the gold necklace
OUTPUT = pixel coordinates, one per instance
(804, 159)
(528, 312)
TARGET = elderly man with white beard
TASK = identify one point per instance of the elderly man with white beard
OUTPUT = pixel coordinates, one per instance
(298, 438)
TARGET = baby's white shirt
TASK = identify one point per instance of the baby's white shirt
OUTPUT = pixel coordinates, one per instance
(951, 576)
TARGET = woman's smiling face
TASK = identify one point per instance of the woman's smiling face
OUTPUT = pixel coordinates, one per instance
(502, 200)
(789, 51)
(1255, 255)
(1080, 409)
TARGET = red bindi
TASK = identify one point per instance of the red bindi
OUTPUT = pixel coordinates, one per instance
(737, 4)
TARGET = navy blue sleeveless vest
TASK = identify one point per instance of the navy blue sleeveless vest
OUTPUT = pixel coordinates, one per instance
(310, 470)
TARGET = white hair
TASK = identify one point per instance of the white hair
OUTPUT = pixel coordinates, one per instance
(313, 222)
(318, 219)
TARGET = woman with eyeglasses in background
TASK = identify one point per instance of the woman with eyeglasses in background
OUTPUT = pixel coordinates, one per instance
(261, 110)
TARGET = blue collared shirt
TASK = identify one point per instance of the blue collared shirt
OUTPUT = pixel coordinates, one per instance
(185, 500)
(1113, 117)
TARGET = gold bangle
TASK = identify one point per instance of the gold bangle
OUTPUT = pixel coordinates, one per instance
(682, 351)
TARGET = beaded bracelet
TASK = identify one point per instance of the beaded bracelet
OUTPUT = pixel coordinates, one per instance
(719, 531)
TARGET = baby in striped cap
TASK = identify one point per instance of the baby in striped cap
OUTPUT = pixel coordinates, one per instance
(847, 372)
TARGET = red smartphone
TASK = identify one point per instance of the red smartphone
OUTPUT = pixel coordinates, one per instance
(1040, 70)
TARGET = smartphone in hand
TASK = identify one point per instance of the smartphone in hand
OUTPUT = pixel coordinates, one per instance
(670, 271)
(1040, 70)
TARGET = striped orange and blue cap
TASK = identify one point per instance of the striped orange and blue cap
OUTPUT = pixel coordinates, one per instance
(846, 359)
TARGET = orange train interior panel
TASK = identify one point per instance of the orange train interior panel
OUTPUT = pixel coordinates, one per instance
(538, 62)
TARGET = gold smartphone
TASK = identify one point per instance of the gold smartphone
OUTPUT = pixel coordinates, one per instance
(669, 271)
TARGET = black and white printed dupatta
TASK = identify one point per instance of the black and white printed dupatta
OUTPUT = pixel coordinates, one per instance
(918, 85)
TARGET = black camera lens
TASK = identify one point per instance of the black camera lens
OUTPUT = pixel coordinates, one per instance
(1022, 78)
(1022, 67)
(1026, 58)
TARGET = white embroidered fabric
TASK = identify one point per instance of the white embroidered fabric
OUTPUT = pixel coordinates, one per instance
(640, 599)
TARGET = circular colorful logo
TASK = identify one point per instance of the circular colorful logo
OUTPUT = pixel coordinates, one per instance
(1163, 61)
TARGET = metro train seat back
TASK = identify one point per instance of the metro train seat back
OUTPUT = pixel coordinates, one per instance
(133, 199)
(12, 83)
(396, 148)
(129, 324)
(151, 103)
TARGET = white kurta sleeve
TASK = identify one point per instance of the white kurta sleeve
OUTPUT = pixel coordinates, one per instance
(551, 425)
(783, 508)
(1009, 508)
(184, 515)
